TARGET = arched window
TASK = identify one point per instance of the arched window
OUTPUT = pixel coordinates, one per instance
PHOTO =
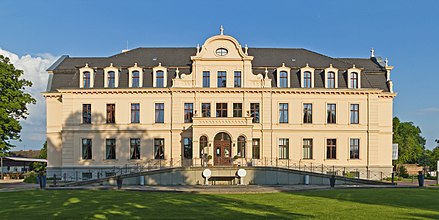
(203, 147)
(307, 79)
(354, 80)
(135, 79)
(111, 79)
(283, 79)
(160, 80)
(241, 146)
(222, 137)
(86, 79)
(330, 81)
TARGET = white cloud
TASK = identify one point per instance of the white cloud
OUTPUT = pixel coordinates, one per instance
(33, 133)
(431, 110)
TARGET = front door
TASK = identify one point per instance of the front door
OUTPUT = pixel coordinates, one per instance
(222, 153)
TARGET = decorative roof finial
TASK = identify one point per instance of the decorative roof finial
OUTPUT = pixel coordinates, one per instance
(86, 65)
(198, 48)
(160, 64)
(330, 65)
(307, 65)
(266, 73)
(246, 49)
(353, 66)
(372, 52)
(283, 64)
(135, 64)
(386, 62)
(221, 30)
(111, 64)
(177, 73)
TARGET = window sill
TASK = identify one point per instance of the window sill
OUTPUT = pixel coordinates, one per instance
(87, 160)
(110, 160)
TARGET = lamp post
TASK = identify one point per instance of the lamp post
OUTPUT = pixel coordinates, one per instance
(1, 165)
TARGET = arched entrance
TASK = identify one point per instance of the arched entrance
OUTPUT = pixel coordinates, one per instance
(222, 149)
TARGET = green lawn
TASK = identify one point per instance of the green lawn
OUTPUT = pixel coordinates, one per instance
(323, 204)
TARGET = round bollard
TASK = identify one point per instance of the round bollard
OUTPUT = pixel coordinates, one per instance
(332, 181)
(421, 180)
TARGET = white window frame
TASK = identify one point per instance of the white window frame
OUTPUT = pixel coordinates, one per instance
(86, 68)
(307, 68)
(154, 75)
(335, 71)
(286, 69)
(116, 75)
(130, 76)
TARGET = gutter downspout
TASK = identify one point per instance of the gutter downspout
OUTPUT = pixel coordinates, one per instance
(368, 135)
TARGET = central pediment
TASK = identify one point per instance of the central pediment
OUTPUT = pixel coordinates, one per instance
(221, 47)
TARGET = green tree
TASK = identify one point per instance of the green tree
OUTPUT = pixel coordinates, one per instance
(13, 101)
(37, 166)
(411, 143)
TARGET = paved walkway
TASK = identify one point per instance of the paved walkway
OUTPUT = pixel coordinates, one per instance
(16, 185)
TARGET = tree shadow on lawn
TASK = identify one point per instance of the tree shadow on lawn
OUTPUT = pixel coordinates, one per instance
(411, 199)
(97, 204)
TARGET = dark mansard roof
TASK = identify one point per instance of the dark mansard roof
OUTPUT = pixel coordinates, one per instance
(66, 69)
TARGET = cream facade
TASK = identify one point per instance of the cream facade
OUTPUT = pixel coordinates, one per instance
(221, 106)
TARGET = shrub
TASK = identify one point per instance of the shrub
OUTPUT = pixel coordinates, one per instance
(31, 177)
(403, 172)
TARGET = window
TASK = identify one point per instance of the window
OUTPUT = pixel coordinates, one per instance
(206, 79)
(188, 112)
(187, 148)
(241, 146)
(237, 109)
(283, 113)
(135, 148)
(160, 80)
(86, 113)
(222, 79)
(135, 113)
(283, 148)
(110, 149)
(86, 79)
(307, 113)
(237, 79)
(331, 114)
(254, 110)
(205, 110)
(111, 113)
(111, 79)
(307, 149)
(354, 148)
(256, 146)
(355, 113)
(283, 79)
(221, 51)
(307, 79)
(159, 112)
(135, 77)
(330, 81)
(354, 80)
(159, 148)
(86, 149)
(203, 147)
(331, 149)
(221, 110)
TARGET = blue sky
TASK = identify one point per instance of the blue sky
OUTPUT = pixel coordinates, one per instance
(406, 32)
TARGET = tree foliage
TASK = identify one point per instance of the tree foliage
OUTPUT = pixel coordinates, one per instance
(13, 101)
(411, 143)
(38, 166)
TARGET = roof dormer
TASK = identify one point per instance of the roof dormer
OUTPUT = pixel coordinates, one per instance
(86, 77)
(354, 78)
(111, 76)
(307, 77)
(331, 77)
(283, 76)
(135, 76)
(160, 76)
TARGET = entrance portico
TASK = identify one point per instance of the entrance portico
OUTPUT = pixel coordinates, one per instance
(222, 136)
